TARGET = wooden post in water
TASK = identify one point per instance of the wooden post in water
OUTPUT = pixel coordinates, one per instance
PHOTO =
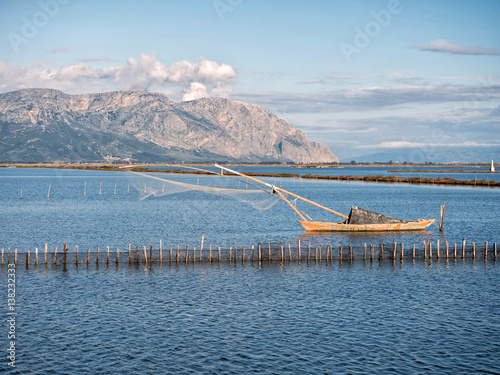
(55, 255)
(350, 253)
(463, 248)
(129, 254)
(187, 253)
(201, 247)
(178, 254)
(2, 257)
(446, 248)
(372, 252)
(243, 255)
(413, 255)
(137, 255)
(210, 260)
(161, 253)
(88, 257)
(145, 254)
(150, 253)
(437, 249)
(308, 252)
(253, 251)
(27, 259)
(473, 250)
(455, 251)
(290, 252)
(170, 255)
(430, 249)
(340, 254)
(316, 254)
(282, 254)
(194, 254)
(65, 253)
(36, 256)
(45, 254)
(393, 249)
(260, 254)
(235, 254)
(15, 256)
(364, 252)
(76, 255)
(425, 249)
(299, 256)
(218, 248)
(402, 251)
(230, 253)
(494, 251)
(270, 257)
(441, 218)
(380, 250)
(117, 256)
(107, 255)
(485, 250)
(97, 256)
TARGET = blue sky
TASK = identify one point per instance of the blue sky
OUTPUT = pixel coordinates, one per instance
(359, 76)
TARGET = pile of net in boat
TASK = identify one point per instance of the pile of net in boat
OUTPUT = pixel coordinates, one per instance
(362, 216)
(160, 184)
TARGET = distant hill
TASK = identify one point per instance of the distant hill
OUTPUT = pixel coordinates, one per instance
(44, 125)
(443, 155)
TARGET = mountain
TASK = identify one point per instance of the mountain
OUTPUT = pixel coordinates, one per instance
(440, 155)
(44, 125)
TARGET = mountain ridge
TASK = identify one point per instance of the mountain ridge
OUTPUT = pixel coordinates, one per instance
(46, 125)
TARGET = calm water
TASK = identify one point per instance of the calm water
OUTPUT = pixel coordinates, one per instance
(271, 319)
(357, 318)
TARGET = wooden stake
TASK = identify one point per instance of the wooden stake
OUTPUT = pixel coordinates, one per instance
(97, 256)
(282, 254)
(129, 254)
(65, 251)
(201, 247)
(270, 257)
(107, 255)
(243, 255)
(45, 254)
(473, 250)
(260, 254)
(455, 251)
(48, 193)
(463, 248)
(437, 249)
(187, 253)
(28, 259)
(316, 254)
(372, 252)
(137, 255)
(218, 248)
(442, 218)
(320, 251)
(299, 254)
(340, 254)
(253, 250)
(485, 250)
(447, 248)
(350, 253)
(15, 256)
(145, 254)
(393, 249)
(210, 253)
(55, 255)
(230, 253)
(150, 253)
(235, 254)
(364, 252)
(161, 253)
(76, 255)
(88, 256)
(308, 252)
(425, 249)
(495, 251)
(178, 254)
(2, 257)
(36, 256)
(430, 249)
(413, 255)
(290, 252)
(402, 251)
(170, 256)
(194, 254)
(117, 255)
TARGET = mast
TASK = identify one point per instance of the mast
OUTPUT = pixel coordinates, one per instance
(277, 189)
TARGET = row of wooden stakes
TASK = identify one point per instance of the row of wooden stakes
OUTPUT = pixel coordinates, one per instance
(262, 253)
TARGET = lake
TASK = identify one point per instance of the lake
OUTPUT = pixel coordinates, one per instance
(312, 317)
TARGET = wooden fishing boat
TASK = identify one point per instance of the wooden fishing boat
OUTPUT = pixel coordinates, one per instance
(359, 219)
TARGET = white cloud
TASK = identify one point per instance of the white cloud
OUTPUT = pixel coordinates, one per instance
(441, 45)
(423, 145)
(143, 73)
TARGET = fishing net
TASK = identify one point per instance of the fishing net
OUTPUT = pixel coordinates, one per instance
(160, 184)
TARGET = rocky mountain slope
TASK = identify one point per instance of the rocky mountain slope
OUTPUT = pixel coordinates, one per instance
(43, 125)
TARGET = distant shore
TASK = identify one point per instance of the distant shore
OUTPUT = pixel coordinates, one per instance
(348, 178)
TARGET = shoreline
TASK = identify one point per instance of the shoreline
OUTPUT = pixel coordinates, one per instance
(348, 178)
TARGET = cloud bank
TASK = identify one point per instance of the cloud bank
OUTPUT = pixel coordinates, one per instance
(441, 45)
(198, 79)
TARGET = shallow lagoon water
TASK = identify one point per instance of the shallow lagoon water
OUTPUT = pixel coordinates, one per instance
(361, 317)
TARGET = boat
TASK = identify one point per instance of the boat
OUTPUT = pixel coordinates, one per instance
(359, 219)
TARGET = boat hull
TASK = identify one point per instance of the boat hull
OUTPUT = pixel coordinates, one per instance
(319, 226)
